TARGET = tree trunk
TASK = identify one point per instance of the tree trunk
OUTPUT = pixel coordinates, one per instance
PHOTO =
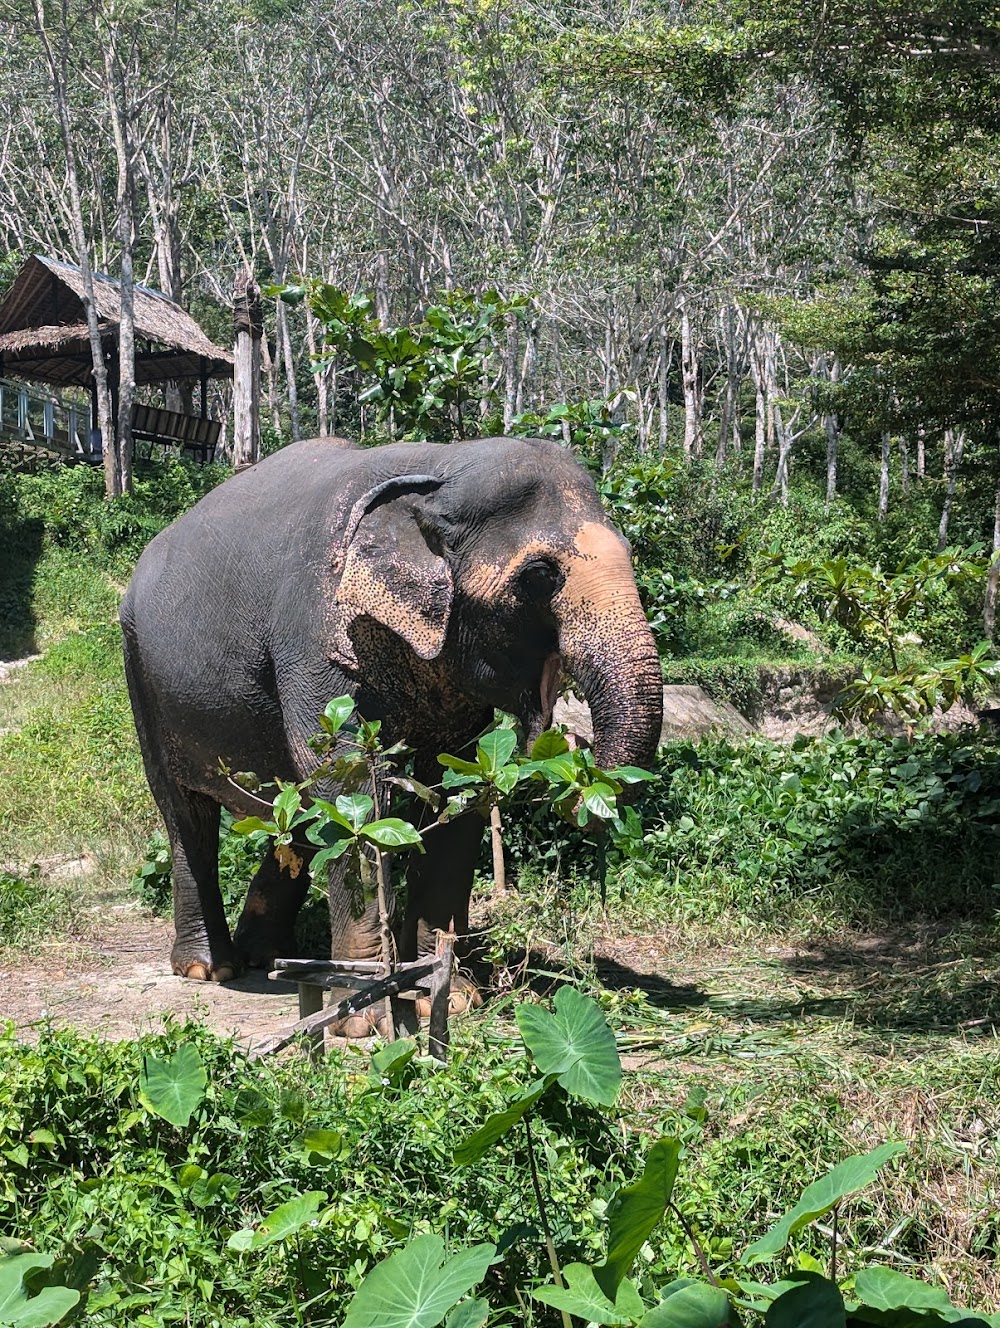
(883, 477)
(116, 91)
(921, 460)
(248, 325)
(954, 446)
(904, 465)
(510, 372)
(57, 63)
(690, 378)
(663, 387)
(284, 332)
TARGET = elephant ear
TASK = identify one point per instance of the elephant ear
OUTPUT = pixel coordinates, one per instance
(394, 570)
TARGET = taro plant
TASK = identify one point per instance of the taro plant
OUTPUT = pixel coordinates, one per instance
(573, 1051)
(27, 1298)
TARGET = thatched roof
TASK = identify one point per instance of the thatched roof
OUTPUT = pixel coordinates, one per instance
(43, 329)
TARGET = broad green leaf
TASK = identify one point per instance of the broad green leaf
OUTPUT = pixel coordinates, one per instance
(391, 832)
(335, 827)
(576, 1044)
(582, 1296)
(468, 1314)
(389, 1062)
(456, 763)
(639, 1208)
(632, 774)
(506, 779)
(174, 1087)
(336, 714)
(814, 1303)
(692, 1305)
(600, 800)
(497, 1125)
(549, 743)
(18, 1306)
(852, 1175)
(355, 808)
(417, 1286)
(323, 1143)
(495, 749)
(250, 824)
(285, 1221)
(885, 1289)
(286, 804)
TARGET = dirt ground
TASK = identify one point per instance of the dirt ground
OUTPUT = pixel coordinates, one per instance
(114, 980)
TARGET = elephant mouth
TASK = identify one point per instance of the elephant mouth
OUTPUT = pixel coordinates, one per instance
(537, 714)
(552, 676)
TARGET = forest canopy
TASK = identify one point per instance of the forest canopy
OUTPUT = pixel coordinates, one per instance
(742, 229)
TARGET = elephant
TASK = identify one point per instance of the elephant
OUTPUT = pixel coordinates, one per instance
(433, 583)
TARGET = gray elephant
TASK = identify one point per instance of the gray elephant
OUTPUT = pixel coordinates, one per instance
(432, 583)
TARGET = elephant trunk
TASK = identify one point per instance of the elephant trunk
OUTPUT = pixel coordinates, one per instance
(608, 649)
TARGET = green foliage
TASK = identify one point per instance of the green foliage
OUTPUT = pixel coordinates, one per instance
(173, 1087)
(418, 378)
(417, 1287)
(30, 907)
(874, 607)
(831, 829)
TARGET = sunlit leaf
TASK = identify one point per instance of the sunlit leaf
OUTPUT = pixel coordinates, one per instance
(575, 1043)
(174, 1086)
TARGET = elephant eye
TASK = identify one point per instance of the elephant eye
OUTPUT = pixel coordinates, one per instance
(540, 579)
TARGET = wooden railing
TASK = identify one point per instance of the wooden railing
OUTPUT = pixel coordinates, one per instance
(41, 423)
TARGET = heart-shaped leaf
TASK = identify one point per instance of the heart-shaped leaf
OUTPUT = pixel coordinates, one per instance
(576, 1044)
(418, 1285)
(173, 1087)
(640, 1206)
(17, 1304)
(817, 1200)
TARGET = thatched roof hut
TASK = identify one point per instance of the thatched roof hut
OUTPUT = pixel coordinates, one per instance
(43, 330)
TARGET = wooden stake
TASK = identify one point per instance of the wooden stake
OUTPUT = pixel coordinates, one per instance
(437, 1027)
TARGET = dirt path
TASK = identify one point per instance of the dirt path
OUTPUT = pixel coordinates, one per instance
(116, 982)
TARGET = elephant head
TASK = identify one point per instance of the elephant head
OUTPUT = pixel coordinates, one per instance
(499, 569)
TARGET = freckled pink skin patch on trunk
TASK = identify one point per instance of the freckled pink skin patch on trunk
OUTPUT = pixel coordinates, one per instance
(608, 647)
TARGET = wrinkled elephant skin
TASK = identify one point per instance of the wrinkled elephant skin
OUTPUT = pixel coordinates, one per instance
(433, 583)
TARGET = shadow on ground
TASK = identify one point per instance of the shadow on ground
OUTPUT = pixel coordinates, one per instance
(927, 981)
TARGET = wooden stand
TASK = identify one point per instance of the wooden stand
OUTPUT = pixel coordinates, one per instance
(368, 984)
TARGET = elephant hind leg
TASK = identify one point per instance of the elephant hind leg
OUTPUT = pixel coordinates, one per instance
(203, 948)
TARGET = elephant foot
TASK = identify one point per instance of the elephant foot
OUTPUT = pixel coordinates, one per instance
(366, 1024)
(199, 971)
(464, 995)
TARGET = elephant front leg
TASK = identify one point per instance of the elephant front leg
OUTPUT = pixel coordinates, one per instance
(266, 929)
(203, 948)
(439, 885)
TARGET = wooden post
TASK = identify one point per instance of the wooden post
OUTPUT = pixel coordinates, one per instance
(437, 1026)
(248, 325)
(496, 842)
(311, 1002)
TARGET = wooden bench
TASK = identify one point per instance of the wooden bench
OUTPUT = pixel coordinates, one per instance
(168, 429)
